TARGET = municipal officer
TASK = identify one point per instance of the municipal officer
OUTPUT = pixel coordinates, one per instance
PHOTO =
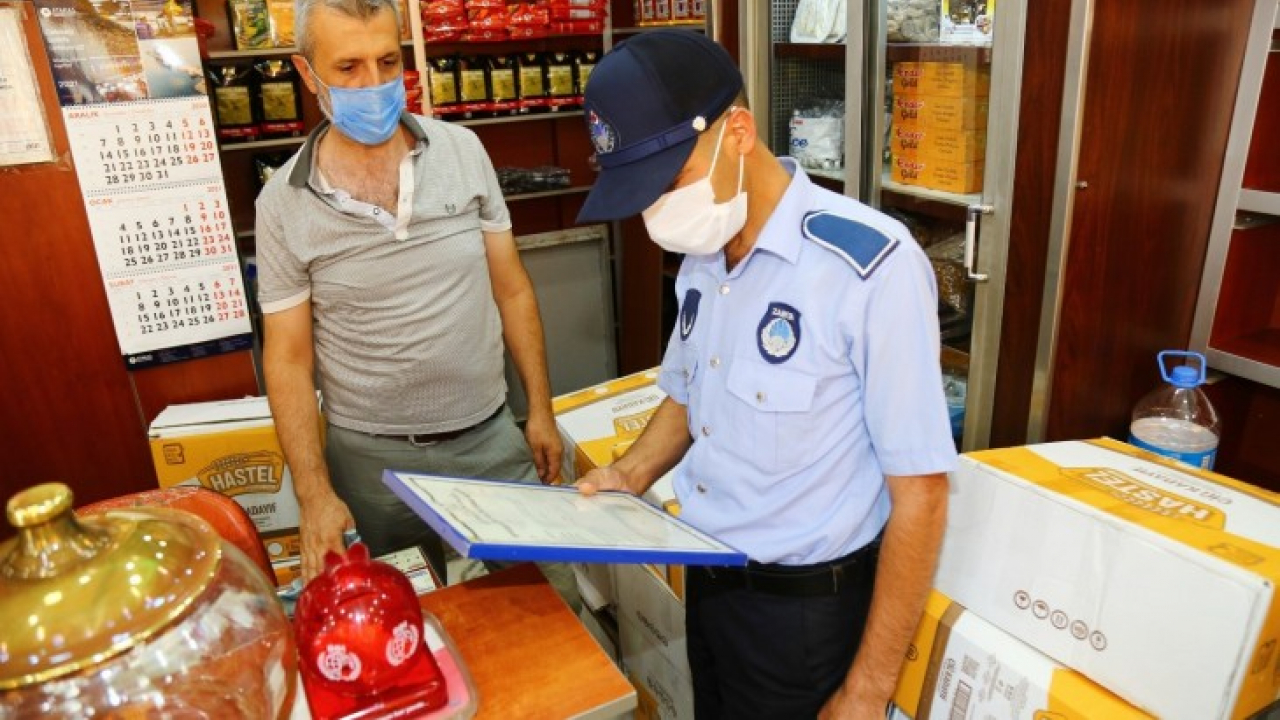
(805, 419)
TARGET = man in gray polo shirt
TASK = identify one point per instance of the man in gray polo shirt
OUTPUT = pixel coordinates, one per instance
(389, 277)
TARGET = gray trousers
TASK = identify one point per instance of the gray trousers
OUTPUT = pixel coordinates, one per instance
(495, 449)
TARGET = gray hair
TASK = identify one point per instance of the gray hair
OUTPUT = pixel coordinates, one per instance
(360, 9)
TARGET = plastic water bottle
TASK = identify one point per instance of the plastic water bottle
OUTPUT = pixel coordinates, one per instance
(1176, 419)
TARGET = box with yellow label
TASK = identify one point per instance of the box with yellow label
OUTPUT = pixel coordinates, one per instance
(923, 171)
(229, 447)
(961, 78)
(954, 146)
(1154, 579)
(599, 423)
(940, 113)
(962, 667)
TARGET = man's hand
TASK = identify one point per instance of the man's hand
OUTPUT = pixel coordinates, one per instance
(544, 441)
(603, 479)
(322, 521)
(846, 705)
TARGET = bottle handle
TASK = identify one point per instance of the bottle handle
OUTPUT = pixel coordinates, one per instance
(1165, 369)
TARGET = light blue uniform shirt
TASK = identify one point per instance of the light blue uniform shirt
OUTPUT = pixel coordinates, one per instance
(809, 372)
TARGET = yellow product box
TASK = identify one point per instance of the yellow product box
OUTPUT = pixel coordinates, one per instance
(599, 423)
(1152, 578)
(958, 663)
(954, 177)
(230, 447)
(652, 645)
(960, 79)
(282, 544)
(957, 146)
(939, 113)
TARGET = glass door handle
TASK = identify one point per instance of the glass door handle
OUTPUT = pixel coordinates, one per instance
(972, 215)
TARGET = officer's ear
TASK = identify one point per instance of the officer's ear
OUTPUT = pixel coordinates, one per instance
(741, 130)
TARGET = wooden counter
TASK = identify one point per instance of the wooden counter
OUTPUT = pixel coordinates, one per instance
(529, 656)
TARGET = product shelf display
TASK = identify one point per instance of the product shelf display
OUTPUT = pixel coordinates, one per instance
(911, 91)
(1237, 323)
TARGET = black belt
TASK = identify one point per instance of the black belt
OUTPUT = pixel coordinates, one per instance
(431, 438)
(827, 578)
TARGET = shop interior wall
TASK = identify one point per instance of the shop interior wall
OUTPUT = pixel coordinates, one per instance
(72, 412)
(1159, 96)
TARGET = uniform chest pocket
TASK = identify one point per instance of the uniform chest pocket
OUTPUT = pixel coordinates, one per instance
(769, 415)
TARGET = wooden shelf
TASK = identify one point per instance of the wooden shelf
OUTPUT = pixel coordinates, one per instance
(548, 193)
(263, 144)
(698, 25)
(938, 52)
(230, 55)
(958, 199)
(810, 51)
(1258, 201)
(837, 176)
(577, 112)
(287, 142)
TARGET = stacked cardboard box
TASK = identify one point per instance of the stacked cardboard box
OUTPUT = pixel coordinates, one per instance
(598, 425)
(938, 135)
(959, 666)
(1152, 579)
(231, 447)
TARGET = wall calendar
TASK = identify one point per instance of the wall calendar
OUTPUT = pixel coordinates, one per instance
(130, 83)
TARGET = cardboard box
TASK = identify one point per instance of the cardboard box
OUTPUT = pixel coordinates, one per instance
(1152, 578)
(652, 645)
(939, 113)
(955, 74)
(937, 175)
(229, 447)
(953, 177)
(961, 667)
(954, 146)
(599, 423)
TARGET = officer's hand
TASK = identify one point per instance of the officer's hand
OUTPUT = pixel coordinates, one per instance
(322, 520)
(603, 479)
(545, 444)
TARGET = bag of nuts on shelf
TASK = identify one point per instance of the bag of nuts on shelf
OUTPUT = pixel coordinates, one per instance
(913, 20)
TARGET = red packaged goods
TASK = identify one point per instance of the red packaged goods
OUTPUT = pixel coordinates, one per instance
(526, 32)
(443, 10)
(481, 34)
(524, 14)
(486, 5)
(486, 19)
(451, 31)
(578, 27)
(559, 13)
(413, 92)
(593, 4)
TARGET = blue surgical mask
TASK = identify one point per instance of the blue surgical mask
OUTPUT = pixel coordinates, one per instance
(368, 115)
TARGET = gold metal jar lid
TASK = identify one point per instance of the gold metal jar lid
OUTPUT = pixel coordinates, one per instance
(75, 592)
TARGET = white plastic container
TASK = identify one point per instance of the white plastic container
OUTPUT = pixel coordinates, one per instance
(1176, 419)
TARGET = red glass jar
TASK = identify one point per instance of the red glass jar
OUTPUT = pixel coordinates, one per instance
(361, 643)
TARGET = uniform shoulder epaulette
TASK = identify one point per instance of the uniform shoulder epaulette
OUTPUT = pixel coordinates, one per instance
(862, 246)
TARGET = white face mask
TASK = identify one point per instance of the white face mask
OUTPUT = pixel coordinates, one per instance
(689, 220)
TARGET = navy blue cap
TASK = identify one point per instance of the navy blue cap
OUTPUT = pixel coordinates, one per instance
(645, 104)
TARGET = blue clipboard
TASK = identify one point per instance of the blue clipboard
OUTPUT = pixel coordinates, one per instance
(514, 521)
